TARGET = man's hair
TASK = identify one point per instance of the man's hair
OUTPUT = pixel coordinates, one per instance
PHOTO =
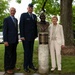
(12, 8)
(30, 5)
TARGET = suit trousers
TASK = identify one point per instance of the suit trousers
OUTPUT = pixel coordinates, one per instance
(55, 51)
(28, 53)
(10, 56)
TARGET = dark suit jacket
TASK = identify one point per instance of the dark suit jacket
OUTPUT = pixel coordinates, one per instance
(10, 30)
(28, 27)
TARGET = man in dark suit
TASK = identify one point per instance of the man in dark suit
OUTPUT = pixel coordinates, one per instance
(28, 32)
(10, 37)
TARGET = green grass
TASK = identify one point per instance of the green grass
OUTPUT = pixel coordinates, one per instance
(68, 62)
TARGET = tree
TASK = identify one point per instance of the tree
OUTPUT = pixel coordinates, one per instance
(65, 15)
(3, 11)
(66, 21)
(73, 16)
(52, 7)
(19, 1)
(64, 9)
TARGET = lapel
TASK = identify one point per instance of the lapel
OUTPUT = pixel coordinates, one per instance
(51, 29)
(15, 24)
(28, 14)
(57, 27)
(12, 20)
(31, 17)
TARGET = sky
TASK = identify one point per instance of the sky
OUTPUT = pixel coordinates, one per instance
(20, 8)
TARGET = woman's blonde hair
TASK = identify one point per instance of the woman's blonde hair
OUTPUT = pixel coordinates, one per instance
(55, 17)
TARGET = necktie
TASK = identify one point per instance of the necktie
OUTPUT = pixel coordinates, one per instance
(14, 20)
(31, 16)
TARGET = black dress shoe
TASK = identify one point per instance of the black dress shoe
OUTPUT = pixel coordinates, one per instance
(27, 70)
(33, 68)
(9, 72)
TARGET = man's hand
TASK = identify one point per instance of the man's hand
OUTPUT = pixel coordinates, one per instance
(22, 38)
(6, 44)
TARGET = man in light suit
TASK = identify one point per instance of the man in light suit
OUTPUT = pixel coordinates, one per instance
(10, 37)
(56, 42)
(28, 32)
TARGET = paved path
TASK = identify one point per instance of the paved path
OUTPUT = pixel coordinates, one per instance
(2, 73)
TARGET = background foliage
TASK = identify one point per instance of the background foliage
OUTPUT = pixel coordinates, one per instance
(63, 8)
(3, 11)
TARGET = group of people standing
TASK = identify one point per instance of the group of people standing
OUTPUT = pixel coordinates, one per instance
(28, 33)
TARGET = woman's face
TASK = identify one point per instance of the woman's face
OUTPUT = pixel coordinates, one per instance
(54, 20)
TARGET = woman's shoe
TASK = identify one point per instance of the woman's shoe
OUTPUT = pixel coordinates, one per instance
(52, 69)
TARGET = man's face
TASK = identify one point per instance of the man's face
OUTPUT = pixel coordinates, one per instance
(42, 17)
(12, 11)
(30, 9)
(54, 20)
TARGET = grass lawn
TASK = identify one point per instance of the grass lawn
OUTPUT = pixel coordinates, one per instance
(68, 62)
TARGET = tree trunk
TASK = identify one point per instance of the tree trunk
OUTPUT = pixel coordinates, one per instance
(66, 21)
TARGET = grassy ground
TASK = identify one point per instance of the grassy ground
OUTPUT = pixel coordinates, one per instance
(68, 62)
